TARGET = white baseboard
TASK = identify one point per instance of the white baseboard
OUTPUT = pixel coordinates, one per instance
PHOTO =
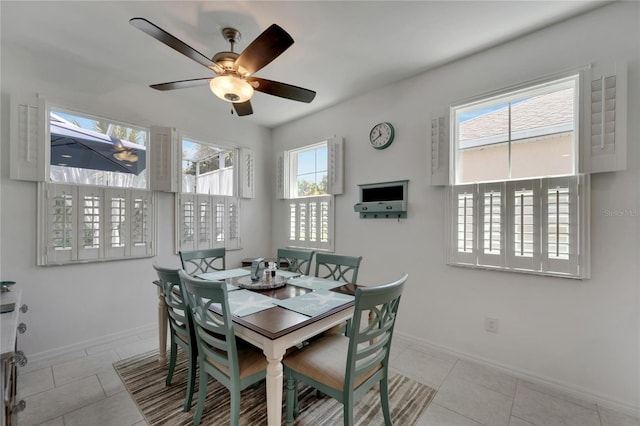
(56, 352)
(569, 389)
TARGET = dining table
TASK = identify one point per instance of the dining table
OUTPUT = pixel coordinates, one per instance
(275, 319)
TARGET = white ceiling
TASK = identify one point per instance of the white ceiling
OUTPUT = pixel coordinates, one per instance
(341, 49)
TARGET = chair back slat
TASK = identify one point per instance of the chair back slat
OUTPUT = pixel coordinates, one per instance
(299, 260)
(200, 261)
(173, 293)
(369, 343)
(214, 333)
(338, 267)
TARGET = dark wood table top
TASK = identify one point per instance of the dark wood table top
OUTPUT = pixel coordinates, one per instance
(277, 321)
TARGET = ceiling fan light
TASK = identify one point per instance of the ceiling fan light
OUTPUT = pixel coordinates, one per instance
(231, 88)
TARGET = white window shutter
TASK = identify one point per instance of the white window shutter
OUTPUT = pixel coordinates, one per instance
(439, 149)
(463, 241)
(90, 222)
(142, 231)
(246, 173)
(61, 227)
(606, 118)
(523, 224)
(562, 218)
(492, 224)
(311, 222)
(185, 222)
(335, 160)
(232, 228)
(117, 226)
(29, 138)
(203, 225)
(282, 175)
(164, 146)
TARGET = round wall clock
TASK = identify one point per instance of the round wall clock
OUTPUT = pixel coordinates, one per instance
(381, 135)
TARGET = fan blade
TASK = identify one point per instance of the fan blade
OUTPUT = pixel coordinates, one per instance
(182, 84)
(283, 90)
(171, 41)
(264, 49)
(243, 108)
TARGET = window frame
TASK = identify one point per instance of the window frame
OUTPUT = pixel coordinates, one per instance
(46, 189)
(231, 204)
(538, 261)
(335, 186)
(509, 94)
(293, 167)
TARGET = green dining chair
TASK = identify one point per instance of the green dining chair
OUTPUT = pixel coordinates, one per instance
(181, 331)
(233, 364)
(338, 267)
(346, 367)
(299, 260)
(200, 261)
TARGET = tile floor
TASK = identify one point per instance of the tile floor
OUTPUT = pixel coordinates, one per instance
(82, 388)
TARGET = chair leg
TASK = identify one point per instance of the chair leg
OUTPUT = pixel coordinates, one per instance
(234, 419)
(172, 361)
(292, 399)
(384, 399)
(347, 411)
(202, 393)
(191, 379)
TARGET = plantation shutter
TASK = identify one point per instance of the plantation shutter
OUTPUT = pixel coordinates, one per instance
(142, 227)
(90, 224)
(246, 173)
(463, 200)
(606, 117)
(311, 222)
(29, 138)
(439, 149)
(203, 222)
(232, 227)
(117, 225)
(282, 176)
(563, 251)
(164, 147)
(491, 220)
(61, 223)
(335, 177)
(523, 233)
(186, 223)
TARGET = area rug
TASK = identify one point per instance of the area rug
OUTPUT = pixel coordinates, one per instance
(162, 405)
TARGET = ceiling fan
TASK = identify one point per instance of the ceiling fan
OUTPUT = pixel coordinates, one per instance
(234, 82)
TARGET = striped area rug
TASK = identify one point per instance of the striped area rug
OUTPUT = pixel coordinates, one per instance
(162, 405)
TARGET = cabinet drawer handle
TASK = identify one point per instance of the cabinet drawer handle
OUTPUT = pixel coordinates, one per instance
(19, 406)
(24, 308)
(22, 328)
(19, 358)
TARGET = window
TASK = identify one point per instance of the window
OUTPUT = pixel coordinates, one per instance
(308, 178)
(523, 134)
(208, 208)
(517, 202)
(309, 170)
(95, 204)
(89, 150)
(207, 169)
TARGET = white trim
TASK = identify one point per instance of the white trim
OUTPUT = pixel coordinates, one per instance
(57, 353)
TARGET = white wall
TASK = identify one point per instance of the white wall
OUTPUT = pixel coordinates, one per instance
(579, 335)
(70, 305)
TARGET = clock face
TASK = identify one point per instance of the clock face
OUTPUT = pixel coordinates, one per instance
(381, 135)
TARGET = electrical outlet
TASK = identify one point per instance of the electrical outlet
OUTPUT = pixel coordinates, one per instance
(491, 324)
